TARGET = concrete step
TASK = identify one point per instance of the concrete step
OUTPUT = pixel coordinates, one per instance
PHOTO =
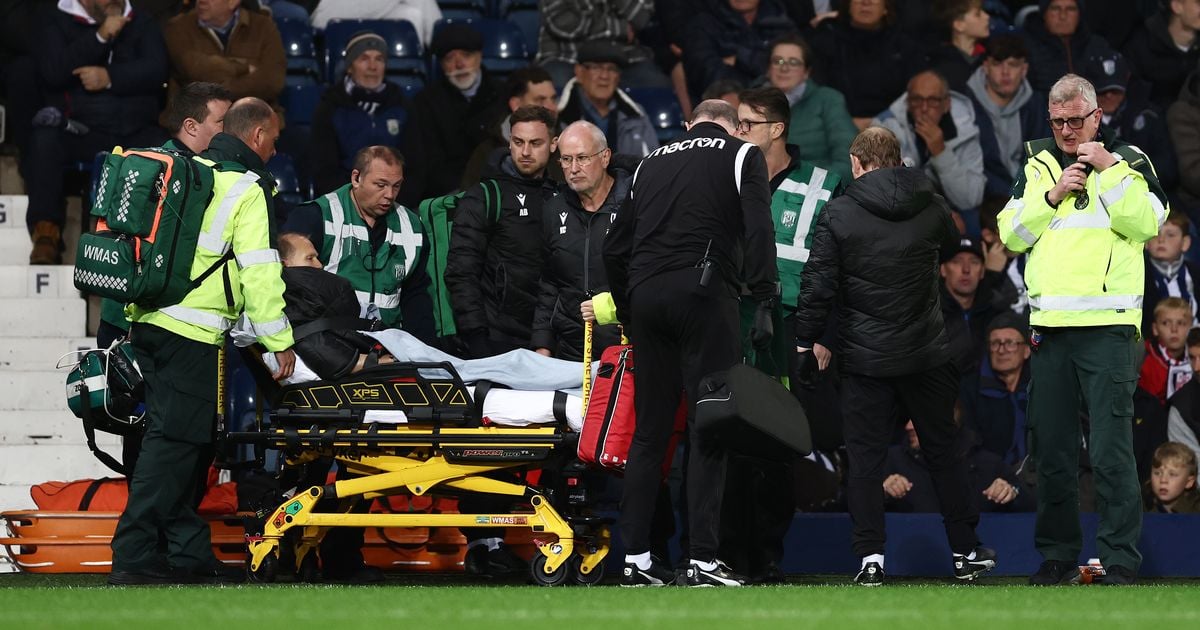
(47, 426)
(24, 464)
(12, 211)
(14, 247)
(15, 497)
(35, 390)
(38, 353)
(41, 281)
(44, 317)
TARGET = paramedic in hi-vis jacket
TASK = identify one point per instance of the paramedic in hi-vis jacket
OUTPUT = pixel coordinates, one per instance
(1083, 207)
(672, 258)
(176, 348)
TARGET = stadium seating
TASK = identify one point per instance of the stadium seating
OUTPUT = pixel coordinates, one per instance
(528, 21)
(662, 107)
(299, 102)
(287, 179)
(464, 9)
(404, 46)
(300, 52)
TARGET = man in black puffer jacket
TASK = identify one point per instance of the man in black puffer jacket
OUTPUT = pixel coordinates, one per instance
(875, 252)
(495, 255)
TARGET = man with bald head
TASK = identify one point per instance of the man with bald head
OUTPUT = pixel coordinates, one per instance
(246, 143)
(937, 132)
(673, 257)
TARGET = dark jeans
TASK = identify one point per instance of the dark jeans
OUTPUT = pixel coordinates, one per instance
(1095, 366)
(682, 333)
(51, 150)
(871, 407)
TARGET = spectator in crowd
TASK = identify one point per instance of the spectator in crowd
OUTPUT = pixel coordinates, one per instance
(1060, 42)
(908, 485)
(820, 127)
(1085, 293)
(496, 256)
(1172, 485)
(1168, 272)
(594, 95)
(730, 39)
(573, 228)
(1116, 21)
(724, 90)
(101, 69)
(974, 290)
(1183, 414)
(866, 57)
(1183, 121)
(1004, 97)
(360, 110)
(1165, 368)
(568, 25)
(1165, 49)
(894, 356)
(994, 398)
(530, 85)
(222, 42)
(449, 117)
(966, 23)
(937, 132)
(1128, 116)
(422, 13)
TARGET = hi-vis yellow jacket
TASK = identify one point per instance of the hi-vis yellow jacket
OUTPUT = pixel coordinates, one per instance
(1085, 264)
(235, 218)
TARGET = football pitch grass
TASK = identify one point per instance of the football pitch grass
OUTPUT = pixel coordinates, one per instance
(450, 603)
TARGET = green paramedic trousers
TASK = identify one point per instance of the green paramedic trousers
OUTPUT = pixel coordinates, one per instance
(1094, 367)
(181, 395)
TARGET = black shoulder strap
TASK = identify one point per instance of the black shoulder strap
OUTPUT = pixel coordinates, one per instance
(90, 432)
(560, 408)
(334, 323)
(86, 501)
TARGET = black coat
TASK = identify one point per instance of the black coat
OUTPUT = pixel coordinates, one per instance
(870, 68)
(493, 266)
(573, 267)
(1050, 57)
(875, 251)
(310, 294)
(442, 131)
(136, 60)
(719, 32)
(1157, 60)
(966, 330)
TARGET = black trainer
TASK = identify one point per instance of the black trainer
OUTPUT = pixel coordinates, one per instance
(966, 569)
(659, 574)
(1117, 575)
(1054, 572)
(870, 575)
(495, 563)
(216, 573)
(153, 575)
(721, 575)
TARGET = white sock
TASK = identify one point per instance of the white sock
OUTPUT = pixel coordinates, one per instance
(481, 542)
(706, 566)
(640, 560)
(970, 556)
(875, 557)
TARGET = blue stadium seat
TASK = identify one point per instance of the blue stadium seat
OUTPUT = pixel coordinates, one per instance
(287, 179)
(504, 48)
(404, 46)
(464, 9)
(662, 107)
(504, 7)
(299, 49)
(411, 84)
(528, 21)
(299, 102)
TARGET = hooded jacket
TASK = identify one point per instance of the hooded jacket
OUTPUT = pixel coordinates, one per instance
(573, 271)
(1023, 119)
(1183, 120)
(958, 171)
(633, 133)
(1155, 58)
(1051, 57)
(875, 252)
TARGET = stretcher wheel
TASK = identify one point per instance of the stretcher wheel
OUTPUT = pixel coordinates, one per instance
(586, 579)
(267, 571)
(538, 569)
(308, 571)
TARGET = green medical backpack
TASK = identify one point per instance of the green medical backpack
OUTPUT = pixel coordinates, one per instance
(106, 391)
(150, 204)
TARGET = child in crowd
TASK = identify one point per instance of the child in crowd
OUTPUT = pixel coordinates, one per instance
(1167, 273)
(1172, 485)
(1165, 368)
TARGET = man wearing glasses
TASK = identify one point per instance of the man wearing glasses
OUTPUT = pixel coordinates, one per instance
(1083, 207)
(938, 132)
(594, 95)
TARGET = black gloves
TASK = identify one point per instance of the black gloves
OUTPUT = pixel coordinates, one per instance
(763, 328)
(806, 369)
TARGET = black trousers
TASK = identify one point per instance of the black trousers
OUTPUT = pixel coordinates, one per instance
(871, 408)
(51, 149)
(680, 333)
(758, 509)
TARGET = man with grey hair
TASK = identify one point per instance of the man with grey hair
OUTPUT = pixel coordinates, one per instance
(699, 211)
(1083, 207)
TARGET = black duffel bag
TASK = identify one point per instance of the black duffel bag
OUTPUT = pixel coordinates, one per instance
(750, 413)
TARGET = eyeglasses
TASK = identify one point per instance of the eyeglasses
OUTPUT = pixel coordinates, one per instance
(582, 160)
(1075, 122)
(1007, 344)
(926, 101)
(791, 62)
(746, 125)
(602, 68)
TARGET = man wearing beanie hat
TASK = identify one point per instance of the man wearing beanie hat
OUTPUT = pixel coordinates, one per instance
(594, 95)
(361, 110)
(221, 42)
(450, 116)
(974, 290)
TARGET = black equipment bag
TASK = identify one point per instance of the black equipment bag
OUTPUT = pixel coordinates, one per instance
(750, 413)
